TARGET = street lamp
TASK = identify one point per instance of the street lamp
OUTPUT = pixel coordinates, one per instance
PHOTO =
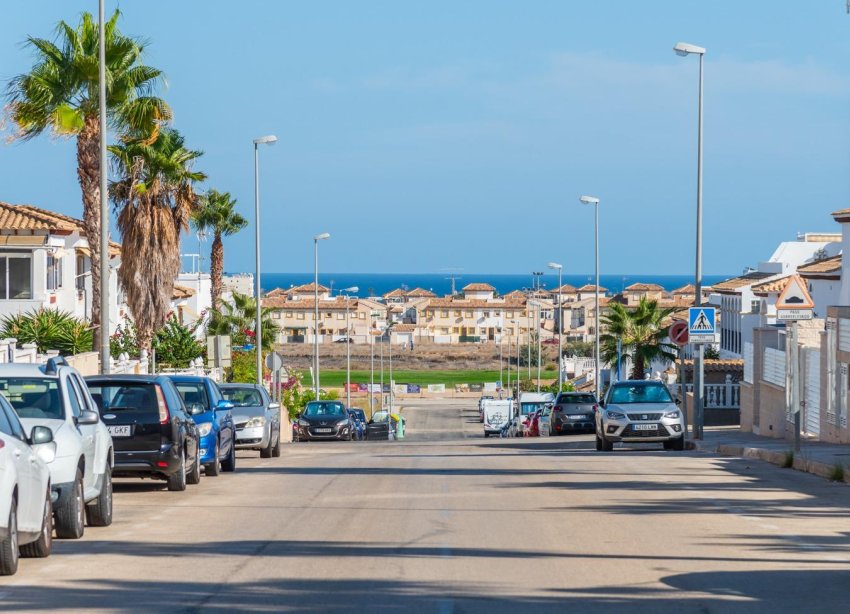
(348, 293)
(559, 268)
(685, 49)
(316, 240)
(592, 200)
(269, 139)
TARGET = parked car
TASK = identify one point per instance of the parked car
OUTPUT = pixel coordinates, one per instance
(256, 418)
(637, 412)
(26, 512)
(153, 433)
(544, 421)
(574, 412)
(360, 422)
(55, 396)
(379, 426)
(325, 420)
(214, 416)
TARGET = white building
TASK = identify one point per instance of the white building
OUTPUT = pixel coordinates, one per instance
(192, 297)
(45, 262)
(240, 283)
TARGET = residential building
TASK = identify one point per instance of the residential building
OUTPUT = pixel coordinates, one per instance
(823, 279)
(635, 292)
(295, 315)
(240, 283)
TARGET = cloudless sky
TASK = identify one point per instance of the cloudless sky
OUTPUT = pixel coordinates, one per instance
(435, 134)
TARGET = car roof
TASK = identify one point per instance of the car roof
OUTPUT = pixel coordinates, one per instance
(19, 369)
(188, 378)
(639, 382)
(240, 385)
(129, 377)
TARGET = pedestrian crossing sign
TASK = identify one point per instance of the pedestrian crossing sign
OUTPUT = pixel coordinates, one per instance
(702, 324)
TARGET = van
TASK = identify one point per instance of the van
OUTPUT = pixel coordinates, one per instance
(497, 413)
(530, 402)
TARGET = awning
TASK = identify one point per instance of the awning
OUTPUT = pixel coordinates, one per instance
(23, 240)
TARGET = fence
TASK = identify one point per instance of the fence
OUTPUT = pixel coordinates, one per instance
(720, 396)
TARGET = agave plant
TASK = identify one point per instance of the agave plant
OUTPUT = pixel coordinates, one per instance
(49, 329)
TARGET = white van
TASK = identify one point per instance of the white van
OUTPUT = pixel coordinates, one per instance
(530, 402)
(497, 413)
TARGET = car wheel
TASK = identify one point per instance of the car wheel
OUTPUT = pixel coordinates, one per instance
(194, 476)
(9, 547)
(679, 443)
(229, 463)
(598, 443)
(276, 449)
(42, 547)
(70, 517)
(607, 446)
(486, 435)
(214, 468)
(99, 511)
(177, 480)
(267, 451)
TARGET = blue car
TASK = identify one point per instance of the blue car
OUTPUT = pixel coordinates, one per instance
(214, 417)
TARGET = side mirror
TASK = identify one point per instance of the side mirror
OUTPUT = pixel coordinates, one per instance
(87, 417)
(602, 404)
(678, 401)
(40, 435)
(274, 405)
(224, 405)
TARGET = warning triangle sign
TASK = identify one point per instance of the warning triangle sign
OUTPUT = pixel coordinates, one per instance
(702, 323)
(795, 295)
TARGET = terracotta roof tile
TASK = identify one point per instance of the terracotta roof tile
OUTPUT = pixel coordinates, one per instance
(641, 287)
(449, 303)
(730, 285)
(420, 293)
(29, 218)
(404, 328)
(311, 287)
(827, 265)
(283, 302)
(478, 287)
(591, 288)
(181, 292)
(398, 292)
(773, 286)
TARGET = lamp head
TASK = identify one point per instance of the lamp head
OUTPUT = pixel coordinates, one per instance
(555, 265)
(684, 49)
(589, 200)
(324, 235)
(269, 139)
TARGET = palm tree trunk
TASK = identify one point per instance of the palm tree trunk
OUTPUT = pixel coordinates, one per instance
(216, 269)
(639, 368)
(88, 174)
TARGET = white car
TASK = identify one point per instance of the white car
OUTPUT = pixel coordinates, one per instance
(26, 513)
(54, 395)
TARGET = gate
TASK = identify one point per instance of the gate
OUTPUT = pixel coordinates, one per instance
(811, 390)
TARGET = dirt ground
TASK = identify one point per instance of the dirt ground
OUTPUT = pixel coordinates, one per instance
(422, 357)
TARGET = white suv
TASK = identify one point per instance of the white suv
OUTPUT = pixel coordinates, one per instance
(26, 514)
(54, 395)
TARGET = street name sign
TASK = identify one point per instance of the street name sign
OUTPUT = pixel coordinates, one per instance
(795, 302)
(679, 333)
(702, 324)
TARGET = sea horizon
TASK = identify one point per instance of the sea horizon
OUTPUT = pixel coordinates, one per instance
(377, 284)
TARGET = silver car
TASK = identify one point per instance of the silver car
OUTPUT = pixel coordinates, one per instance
(640, 411)
(255, 417)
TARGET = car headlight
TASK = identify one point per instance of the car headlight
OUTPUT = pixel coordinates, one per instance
(672, 414)
(343, 422)
(204, 429)
(303, 423)
(615, 415)
(254, 422)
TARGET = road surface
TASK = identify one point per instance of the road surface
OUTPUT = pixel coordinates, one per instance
(447, 521)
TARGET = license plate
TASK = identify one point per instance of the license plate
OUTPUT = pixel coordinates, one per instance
(577, 416)
(645, 427)
(119, 431)
(323, 430)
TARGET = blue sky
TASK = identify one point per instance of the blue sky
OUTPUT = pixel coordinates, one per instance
(460, 134)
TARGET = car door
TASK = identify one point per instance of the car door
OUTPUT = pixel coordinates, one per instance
(187, 431)
(87, 432)
(223, 417)
(23, 458)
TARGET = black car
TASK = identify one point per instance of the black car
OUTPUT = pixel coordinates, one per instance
(325, 420)
(153, 433)
(379, 426)
(574, 412)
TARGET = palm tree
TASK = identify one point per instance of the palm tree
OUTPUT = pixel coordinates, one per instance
(60, 94)
(154, 197)
(237, 320)
(641, 331)
(217, 213)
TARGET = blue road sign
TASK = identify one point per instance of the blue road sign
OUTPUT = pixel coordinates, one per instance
(702, 324)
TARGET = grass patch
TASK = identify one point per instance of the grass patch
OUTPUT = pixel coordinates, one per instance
(336, 378)
(788, 463)
(837, 473)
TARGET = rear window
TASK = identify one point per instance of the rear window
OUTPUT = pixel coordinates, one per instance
(529, 407)
(117, 397)
(576, 398)
(243, 397)
(33, 397)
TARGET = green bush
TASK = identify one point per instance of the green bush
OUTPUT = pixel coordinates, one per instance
(175, 345)
(49, 329)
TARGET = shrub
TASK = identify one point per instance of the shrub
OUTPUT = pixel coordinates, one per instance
(788, 462)
(837, 473)
(49, 329)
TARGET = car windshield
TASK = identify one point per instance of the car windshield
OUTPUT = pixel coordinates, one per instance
(640, 393)
(34, 397)
(243, 397)
(193, 393)
(331, 409)
(380, 416)
(531, 407)
(576, 398)
(123, 396)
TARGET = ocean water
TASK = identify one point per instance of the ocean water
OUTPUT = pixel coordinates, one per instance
(375, 284)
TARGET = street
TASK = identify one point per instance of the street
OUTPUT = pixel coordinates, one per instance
(447, 521)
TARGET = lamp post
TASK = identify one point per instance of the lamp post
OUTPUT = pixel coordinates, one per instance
(258, 325)
(316, 240)
(592, 200)
(559, 268)
(105, 354)
(685, 49)
(348, 293)
(372, 317)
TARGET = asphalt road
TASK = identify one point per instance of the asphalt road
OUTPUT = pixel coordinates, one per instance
(446, 521)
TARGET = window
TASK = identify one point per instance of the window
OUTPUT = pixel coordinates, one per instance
(457, 313)
(300, 315)
(73, 399)
(16, 429)
(486, 314)
(755, 306)
(456, 330)
(509, 314)
(54, 272)
(330, 315)
(361, 315)
(468, 314)
(288, 314)
(444, 314)
(15, 276)
(340, 316)
(497, 313)
(79, 276)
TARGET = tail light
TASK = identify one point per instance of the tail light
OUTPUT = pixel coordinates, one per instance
(558, 408)
(2, 444)
(163, 406)
(596, 408)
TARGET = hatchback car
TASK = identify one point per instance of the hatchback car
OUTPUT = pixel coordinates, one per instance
(325, 420)
(26, 512)
(214, 416)
(379, 427)
(639, 411)
(256, 418)
(153, 433)
(574, 412)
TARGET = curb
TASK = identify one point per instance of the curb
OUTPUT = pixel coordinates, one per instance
(800, 462)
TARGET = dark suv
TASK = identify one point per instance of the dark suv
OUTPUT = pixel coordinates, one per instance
(574, 412)
(152, 431)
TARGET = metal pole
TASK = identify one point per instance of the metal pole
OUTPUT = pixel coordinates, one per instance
(539, 347)
(382, 372)
(794, 370)
(105, 354)
(528, 320)
(560, 335)
(596, 301)
(372, 375)
(258, 326)
(509, 368)
(390, 348)
(699, 374)
(347, 355)
(501, 364)
(684, 391)
(316, 327)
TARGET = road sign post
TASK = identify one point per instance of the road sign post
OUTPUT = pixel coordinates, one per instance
(702, 328)
(679, 335)
(794, 304)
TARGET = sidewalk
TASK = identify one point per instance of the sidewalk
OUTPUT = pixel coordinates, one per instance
(823, 459)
